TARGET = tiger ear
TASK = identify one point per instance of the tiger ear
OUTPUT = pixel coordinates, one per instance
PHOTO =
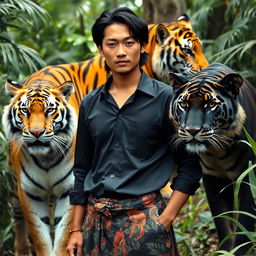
(177, 80)
(232, 82)
(161, 33)
(184, 20)
(66, 89)
(11, 87)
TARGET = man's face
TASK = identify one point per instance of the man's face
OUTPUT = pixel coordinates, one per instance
(121, 50)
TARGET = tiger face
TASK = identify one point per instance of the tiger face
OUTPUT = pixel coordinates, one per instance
(206, 110)
(40, 118)
(177, 50)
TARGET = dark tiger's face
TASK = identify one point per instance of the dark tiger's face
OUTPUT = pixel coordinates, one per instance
(206, 110)
(40, 118)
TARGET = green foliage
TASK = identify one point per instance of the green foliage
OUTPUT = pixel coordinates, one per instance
(19, 18)
(6, 190)
(194, 228)
(229, 33)
(68, 38)
(250, 171)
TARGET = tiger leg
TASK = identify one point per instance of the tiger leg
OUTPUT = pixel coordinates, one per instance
(246, 204)
(62, 219)
(219, 193)
(36, 212)
(21, 243)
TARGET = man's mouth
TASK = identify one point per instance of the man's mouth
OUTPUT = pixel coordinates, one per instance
(122, 62)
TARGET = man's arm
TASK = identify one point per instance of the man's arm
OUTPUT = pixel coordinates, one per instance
(184, 184)
(174, 205)
(83, 158)
(75, 244)
(78, 197)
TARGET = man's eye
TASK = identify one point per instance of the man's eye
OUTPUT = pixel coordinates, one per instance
(129, 43)
(111, 45)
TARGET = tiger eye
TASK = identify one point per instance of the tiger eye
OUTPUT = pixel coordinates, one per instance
(212, 104)
(24, 110)
(183, 104)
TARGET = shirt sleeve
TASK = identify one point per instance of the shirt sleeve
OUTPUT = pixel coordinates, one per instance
(83, 158)
(189, 172)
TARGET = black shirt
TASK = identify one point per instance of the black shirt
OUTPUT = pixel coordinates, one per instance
(127, 151)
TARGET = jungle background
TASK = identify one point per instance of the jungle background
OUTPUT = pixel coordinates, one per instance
(41, 32)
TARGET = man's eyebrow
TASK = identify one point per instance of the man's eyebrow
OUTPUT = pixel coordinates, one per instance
(124, 39)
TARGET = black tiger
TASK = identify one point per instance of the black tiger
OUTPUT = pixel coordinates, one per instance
(209, 112)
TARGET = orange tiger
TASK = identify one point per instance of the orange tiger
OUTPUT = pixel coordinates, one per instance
(40, 124)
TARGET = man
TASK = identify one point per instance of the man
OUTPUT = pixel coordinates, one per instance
(123, 157)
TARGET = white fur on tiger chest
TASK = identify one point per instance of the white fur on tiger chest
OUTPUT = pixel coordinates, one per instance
(53, 181)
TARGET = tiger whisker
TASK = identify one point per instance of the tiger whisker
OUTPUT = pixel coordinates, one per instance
(17, 142)
(58, 146)
(175, 141)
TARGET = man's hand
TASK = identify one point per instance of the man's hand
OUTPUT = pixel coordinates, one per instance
(175, 203)
(74, 247)
(166, 221)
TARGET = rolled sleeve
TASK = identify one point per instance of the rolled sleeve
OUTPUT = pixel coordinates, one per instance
(189, 172)
(83, 159)
(77, 194)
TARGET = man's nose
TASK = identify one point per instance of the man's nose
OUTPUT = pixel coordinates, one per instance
(120, 50)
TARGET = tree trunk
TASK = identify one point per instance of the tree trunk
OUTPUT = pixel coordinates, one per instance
(163, 11)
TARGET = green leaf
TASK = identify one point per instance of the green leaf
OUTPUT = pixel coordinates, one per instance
(238, 184)
(252, 179)
(250, 139)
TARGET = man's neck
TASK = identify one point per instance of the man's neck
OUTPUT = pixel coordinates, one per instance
(127, 81)
(124, 85)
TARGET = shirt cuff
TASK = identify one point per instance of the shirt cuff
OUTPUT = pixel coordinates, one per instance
(185, 186)
(78, 197)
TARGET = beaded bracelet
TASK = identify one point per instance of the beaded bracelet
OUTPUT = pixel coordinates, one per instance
(75, 230)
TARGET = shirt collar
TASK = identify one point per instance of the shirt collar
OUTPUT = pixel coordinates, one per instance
(105, 87)
(145, 85)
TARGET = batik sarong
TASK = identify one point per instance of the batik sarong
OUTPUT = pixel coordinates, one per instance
(127, 227)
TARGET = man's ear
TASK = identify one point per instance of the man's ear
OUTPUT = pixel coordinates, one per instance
(143, 48)
(100, 50)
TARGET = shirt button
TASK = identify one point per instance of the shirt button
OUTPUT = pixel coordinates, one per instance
(112, 175)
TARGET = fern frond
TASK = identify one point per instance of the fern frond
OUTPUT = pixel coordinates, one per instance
(237, 50)
(19, 57)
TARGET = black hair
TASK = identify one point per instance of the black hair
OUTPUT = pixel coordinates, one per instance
(123, 15)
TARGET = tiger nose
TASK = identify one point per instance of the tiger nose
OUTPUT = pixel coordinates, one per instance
(193, 130)
(37, 133)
